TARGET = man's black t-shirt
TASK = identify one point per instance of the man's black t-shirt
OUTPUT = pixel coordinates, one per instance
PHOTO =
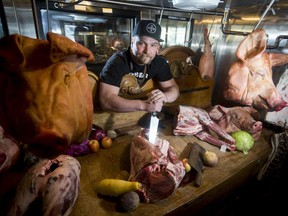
(120, 64)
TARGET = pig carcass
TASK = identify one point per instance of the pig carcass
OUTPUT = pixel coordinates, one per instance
(249, 80)
(156, 167)
(232, 119)
(196, 121)
(207, 62)
(9, 151)
(55, 182)
(45, 92)
(280, 118)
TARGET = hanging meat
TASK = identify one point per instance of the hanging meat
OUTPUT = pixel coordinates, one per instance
(45, 93)
(196, 121)
(55, 182)
(207, 62)
(249, 80)
(156, 167)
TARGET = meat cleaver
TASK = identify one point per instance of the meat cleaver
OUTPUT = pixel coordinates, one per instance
(196, 162)
(153, 128)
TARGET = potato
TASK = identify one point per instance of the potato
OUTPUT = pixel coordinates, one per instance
(210, 159)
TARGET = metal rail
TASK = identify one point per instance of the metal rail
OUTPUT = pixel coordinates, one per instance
(277, 41)
(225, 19)
(146, 6)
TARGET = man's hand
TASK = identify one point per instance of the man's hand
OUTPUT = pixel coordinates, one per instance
(156, 96)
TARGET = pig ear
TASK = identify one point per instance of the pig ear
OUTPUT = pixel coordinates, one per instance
(253, 112)
(252, 45)
(62, 46)
(11, 51)
(217, 112)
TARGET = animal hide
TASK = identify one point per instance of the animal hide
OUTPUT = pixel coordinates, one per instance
(45, 93)
(232, 119)
(249, 80)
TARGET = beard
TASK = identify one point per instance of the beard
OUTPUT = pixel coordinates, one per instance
(144, 59)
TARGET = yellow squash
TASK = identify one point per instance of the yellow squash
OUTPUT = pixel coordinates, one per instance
(115, 187)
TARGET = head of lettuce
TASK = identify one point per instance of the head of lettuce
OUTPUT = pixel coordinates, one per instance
(243, 140)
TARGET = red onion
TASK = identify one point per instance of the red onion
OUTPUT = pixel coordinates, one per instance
(97, 133)
(76, 150)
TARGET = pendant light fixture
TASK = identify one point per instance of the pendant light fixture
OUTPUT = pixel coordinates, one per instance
(195, 4)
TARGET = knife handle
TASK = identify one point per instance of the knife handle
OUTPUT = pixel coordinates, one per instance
(198, 179)
(154, 113)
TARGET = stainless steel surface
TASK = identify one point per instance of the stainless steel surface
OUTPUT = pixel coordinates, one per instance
(153, 128)
(20, 18)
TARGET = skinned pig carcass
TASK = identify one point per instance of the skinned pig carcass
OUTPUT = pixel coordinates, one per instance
(156, 167)
(232, 119)
(55, 182)
(280, 118)
(249, 80)
(196, 121)
(9, 151)
(45, 93)
(207, 62)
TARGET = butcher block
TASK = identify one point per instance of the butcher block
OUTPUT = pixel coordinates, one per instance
(232, 171)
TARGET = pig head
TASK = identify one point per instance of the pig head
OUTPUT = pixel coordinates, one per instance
(45, 93)
(249, 80)
(232, 119)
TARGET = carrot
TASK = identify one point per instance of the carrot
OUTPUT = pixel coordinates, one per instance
(115, 187)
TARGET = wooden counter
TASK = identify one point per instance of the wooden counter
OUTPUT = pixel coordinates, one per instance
(232, 171)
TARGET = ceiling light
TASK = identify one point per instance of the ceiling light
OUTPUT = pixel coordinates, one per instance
(107, 10)
(195, 4)
(250, 18)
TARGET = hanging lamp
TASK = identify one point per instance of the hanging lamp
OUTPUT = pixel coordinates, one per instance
(195, 4)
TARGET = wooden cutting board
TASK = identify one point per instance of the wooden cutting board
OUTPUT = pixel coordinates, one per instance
(233, 169)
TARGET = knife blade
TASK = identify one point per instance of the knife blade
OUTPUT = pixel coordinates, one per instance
(153, 128)
(195, 161)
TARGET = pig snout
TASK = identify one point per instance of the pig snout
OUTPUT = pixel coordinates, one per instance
(256, 130)
(2, 157)
(48, 144)
(257, 126)
(9, 153)
(280, 106)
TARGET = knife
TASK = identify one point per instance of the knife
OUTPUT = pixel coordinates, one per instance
(195, 161)
(153, 129)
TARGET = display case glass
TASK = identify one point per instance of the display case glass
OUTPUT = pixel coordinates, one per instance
(102, 30)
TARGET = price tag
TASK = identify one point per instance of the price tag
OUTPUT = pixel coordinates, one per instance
(223, 148)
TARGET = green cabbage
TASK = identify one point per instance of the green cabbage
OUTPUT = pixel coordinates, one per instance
(243, 140)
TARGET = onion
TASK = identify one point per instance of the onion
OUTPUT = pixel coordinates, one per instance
(76, 150)
(97, 133)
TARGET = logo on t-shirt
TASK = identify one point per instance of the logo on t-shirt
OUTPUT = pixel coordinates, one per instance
(139, 75)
